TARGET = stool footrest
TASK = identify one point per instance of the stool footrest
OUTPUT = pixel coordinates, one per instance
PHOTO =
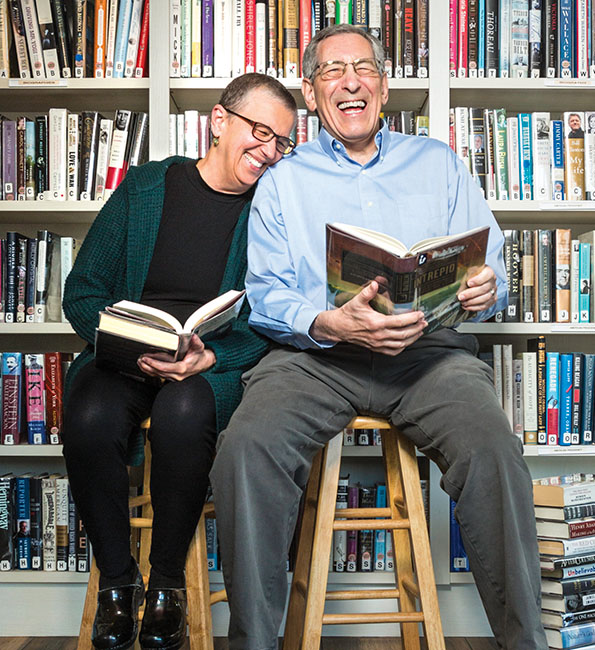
(140, 522)
(141, 500)
(373, 617)
(410, 586)
(218, 596)
(362, 594)
(360, 513)
(371, 524)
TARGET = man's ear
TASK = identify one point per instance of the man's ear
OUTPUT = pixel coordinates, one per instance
(219, 118)
(308, 93)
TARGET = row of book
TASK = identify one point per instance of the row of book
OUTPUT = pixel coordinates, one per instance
(528, 156)
(33, 271)
(521, 38)
(190, 131)
(547, 396)
(220, 38)
(40, 529)
(549, 276)
(70, 156)
(50, 39)
(565, 520)
(32, 397)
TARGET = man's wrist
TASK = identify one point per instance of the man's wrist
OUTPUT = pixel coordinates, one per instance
(322, 328)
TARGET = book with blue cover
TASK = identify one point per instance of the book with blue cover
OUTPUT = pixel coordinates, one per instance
(459, 562)
(565, 399)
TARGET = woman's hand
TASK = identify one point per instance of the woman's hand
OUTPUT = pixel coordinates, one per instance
(197, 359)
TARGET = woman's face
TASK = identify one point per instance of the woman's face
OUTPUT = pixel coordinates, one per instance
(246, 158)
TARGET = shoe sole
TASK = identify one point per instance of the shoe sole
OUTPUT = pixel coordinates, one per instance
(175, 646)
(130, 643)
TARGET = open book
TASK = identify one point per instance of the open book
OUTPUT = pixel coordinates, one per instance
(128, 329)
(428, 276)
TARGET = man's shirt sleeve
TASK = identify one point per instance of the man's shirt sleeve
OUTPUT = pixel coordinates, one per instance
(280, 309)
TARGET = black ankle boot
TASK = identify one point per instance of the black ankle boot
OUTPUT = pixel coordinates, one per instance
(164, 620)
(116, 620)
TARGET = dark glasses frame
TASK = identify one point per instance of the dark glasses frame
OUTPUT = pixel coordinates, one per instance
(264, 133)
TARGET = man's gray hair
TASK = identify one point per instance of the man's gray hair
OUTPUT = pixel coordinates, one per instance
(310, 60)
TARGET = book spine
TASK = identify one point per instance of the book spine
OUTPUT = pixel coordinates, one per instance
(21, 279)
(29, 160)
(517, 414)
(453, 25)
(58, 138)
(41, 155)
(577, 381)
(478, 144)
(83, 557)
(48, 39)
(305, 12)
(507, 382)
(62, 38)
(549, 60)
(20, 159)
(535, 41)
(421, 38)
(48, 508)
(462, 40)
(459, 562)
(53, 396)
(352, 502)
(512, 260)
(66, 260)
(290, 39)
(525, 156)
(19, 39)
(34, 390)
(528, 275)
(88, 166)
(116, 167)
(488, 126)
(30, 284)
(584, 288)
(544, 244)
(73, 147)
(239, 34)
(587, 401)
(530, 397)
(512, 136)
(504, 38)
(4, 41)
(196, 35)
(143, 43)
(581, 44)
(35, 511)
(185, 38)
(540, 124)
(208, 38)
(11, 397)
(7, 512)
(340, 536)
(519, 38)
(61, 523)
(380, 535)
(71, 532)
(367, 499)
(9, 159)
(552, 397)
(590, 154)
(497, 365)
(23, 522)
(261, 12)
(211, 541)
(561, 244)
(136, 17)
(538, 346)
(501, 153)
(44, 259)
(492, 19)
(100, 38)
(557, 160)
(103, 149)
(11, 275)
(122, 32)
(273, 37)
(33, 39)
(472, 37)
(564, 437)
(110, 42)
(565, 39)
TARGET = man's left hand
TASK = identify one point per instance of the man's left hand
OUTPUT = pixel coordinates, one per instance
(197, 359)
(481, 291)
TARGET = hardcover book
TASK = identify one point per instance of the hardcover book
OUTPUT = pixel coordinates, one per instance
(128, 329)
(429, 276)
(564, 490)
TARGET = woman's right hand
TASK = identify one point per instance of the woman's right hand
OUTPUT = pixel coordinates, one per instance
(198, 359)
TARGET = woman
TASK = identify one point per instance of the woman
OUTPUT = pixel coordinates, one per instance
(173, 235)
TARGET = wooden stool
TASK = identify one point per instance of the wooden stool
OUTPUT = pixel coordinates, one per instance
(404, 517)
(199, 596)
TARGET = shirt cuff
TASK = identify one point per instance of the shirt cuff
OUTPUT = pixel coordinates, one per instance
(303, 322)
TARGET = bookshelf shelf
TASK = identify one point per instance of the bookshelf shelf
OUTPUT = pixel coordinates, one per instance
(43, 577)
(461, 578)
(42, 212)
(36, 329)
(357, 579)
(202, 94)
(528, 329)
(35, 451)
(537, 213)
(557, 451)
(555, 95)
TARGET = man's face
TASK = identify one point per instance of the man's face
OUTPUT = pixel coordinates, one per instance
(348, 107)
(478, 142)
(574, 121)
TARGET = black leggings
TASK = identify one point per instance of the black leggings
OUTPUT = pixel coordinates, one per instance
(103, 409)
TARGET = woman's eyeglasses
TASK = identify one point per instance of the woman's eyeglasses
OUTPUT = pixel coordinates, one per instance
(264, 133)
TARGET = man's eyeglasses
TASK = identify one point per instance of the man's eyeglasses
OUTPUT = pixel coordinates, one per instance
(336, 69)
(264, 133)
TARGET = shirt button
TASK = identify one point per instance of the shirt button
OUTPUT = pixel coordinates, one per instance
(337, 146)
(363, 171)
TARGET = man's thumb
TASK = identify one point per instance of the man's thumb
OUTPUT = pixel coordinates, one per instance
(368, 292)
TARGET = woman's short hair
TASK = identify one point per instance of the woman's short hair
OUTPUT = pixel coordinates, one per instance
(235, 93)
(310, 60)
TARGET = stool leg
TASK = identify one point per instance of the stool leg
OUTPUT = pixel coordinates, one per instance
(198, 591)
(401, 540)
(297, 599)
(421, 545)
(323, 539)
(84, 642)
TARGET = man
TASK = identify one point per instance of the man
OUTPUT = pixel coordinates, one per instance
(574, 123)
(329, 365)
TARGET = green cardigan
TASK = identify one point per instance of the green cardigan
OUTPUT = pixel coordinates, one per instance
(113, 263)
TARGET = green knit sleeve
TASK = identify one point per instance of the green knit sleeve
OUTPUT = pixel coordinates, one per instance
(99, 267)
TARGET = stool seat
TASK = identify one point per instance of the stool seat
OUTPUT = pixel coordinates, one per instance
(198, 594)
(404, 518)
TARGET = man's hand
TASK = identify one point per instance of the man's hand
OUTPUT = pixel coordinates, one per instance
(197, 359)
(357, 322)
(480, 292)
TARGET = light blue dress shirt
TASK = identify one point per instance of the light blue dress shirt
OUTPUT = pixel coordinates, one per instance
(412, 188)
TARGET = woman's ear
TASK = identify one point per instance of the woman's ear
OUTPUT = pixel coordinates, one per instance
(219, 118)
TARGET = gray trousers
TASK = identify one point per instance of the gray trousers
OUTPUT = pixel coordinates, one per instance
(442, 398)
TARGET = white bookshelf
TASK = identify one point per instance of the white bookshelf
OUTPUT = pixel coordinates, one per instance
(54, 600)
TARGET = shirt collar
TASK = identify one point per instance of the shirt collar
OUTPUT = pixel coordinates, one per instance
(336, 150)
